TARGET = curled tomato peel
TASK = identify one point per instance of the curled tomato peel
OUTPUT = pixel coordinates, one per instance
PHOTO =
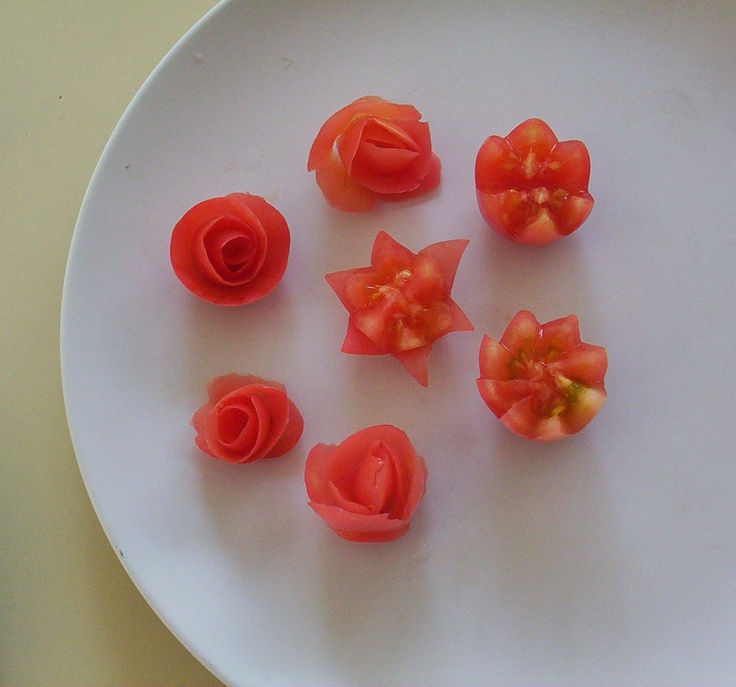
(246, 418)
(368, 487)
(230, 250)
(373, 150)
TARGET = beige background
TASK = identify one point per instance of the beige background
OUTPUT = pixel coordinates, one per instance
(69, 615)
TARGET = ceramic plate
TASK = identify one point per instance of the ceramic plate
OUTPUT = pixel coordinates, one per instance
(604, 559)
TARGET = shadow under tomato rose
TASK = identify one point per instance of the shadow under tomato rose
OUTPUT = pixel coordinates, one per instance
(230, 250)
(373, 150)
(246, 418)
(368, 487)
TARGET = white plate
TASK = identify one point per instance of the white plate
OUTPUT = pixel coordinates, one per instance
(605, 559)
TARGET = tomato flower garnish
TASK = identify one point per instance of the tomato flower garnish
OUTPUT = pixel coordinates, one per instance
(532, 188)
(373, 149)
(400, 304)
(542, 381)
(246, 418)
(230, 250)
(368, 487)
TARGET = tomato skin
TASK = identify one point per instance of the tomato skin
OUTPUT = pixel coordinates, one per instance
(530, 187)
(230, 250)
(368, 487)
(373, 150)
(401, 304)
(246, 418)
(542, 381)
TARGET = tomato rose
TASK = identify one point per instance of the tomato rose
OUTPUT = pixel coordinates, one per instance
(400, 305)
(542, 381)
(368, 487)
(246, 418)
(373, 149)
(231, 250)
(530, 187)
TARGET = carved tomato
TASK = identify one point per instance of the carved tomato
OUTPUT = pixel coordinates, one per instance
(532, 188)
(400, 304)
(542, 381)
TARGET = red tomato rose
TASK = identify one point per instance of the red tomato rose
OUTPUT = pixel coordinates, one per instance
(368, 487)
(542, 381)
(401, 303)
(373, 149)
(246, 418)
(532, 188)
(231, 250)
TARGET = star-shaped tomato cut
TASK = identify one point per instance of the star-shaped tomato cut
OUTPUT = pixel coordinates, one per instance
(400, 304)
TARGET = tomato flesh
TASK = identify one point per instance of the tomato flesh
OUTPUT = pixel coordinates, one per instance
(542, 381)
(401, 308)
(532, 188)
(401, 304)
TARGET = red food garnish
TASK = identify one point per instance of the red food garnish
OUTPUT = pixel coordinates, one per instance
(231, 250)
(246, 418)
(532, 188)
(368, 487)
(542, 381)
(400, 305)
(373, 149)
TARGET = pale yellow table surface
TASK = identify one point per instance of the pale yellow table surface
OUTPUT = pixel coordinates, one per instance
(69, 615)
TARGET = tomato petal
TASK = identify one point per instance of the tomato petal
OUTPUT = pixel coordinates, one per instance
(416, 362)
(316, 476)
(496, 166)
(573, 212)
(343, 502)
(540, 230)
(388, 255)
(533, 136)
(333, 127)
(340, 191)
(383, 157)
(523, 418)
(521, 332)
(494, 359)
(587, 364)
(356, 527)
(587, 404)
(501, 395)
(338, 283)
(447, 254)
(562, 334)
(357, 343)
(291, 434)
(568, 167)
(460, 321)
(429, 182)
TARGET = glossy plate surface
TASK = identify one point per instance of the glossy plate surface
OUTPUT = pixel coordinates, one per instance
(604, 559)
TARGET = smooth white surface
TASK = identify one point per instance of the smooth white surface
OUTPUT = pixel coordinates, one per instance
(604, 559)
